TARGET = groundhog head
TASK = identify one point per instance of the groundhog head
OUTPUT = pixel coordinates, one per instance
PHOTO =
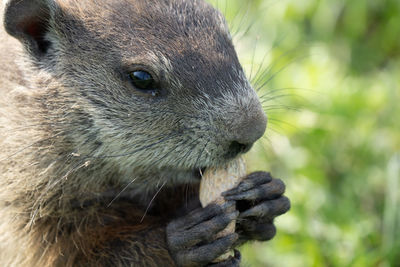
(141, 86)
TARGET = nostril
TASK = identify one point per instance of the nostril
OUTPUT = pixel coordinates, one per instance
(248, 130)
(236, 148)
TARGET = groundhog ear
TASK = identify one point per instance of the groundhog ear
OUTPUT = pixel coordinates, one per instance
(28, 21)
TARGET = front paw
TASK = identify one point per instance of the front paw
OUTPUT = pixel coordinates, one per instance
(259, 200)
(191, 239)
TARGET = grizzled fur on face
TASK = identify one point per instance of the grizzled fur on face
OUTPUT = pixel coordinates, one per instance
(87, 128)
(203, 101)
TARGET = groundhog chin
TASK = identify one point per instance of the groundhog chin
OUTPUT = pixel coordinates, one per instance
(170, 176)
(184, 175)
(181, 176)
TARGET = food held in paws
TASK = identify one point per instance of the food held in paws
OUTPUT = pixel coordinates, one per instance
(214, 182)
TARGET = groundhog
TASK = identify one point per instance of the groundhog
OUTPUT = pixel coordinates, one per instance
(109, 113)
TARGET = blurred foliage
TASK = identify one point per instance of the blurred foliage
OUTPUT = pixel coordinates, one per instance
(329, 73)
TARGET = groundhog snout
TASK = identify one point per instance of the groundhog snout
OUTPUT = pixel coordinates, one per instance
(246, 130)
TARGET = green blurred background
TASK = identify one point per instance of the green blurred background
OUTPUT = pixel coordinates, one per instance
(329, 72)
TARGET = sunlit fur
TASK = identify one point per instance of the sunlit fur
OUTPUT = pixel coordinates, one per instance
(73, 128)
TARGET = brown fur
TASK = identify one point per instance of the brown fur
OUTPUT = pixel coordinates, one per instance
(73, 136)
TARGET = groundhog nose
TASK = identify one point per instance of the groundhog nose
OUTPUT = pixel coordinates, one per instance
(251, 129)
(246, 133)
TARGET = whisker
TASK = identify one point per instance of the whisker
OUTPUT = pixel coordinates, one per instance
(274, 97)
(236, 31)
(275, 130)
(201, 152)
(152, 200)
(280, 107)
(279, 90)
(246, 31)
(252, 59)
(261, 65)
(270, 67)
(274, 120)
(268, 143)
(276, 62)
(278, 72)
(226, 8)
(119, 194)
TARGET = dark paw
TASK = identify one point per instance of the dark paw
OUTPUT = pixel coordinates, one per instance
(191, 239)
(259, 200)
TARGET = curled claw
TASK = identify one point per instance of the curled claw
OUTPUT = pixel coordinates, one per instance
(199, 215)
(261, 231)
(271, 190)
(268, 209)
(195, 235)
(252, 180)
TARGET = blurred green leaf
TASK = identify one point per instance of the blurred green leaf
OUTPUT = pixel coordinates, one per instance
(329, 73)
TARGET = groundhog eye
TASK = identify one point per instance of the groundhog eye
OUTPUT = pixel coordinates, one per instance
(142, 80)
